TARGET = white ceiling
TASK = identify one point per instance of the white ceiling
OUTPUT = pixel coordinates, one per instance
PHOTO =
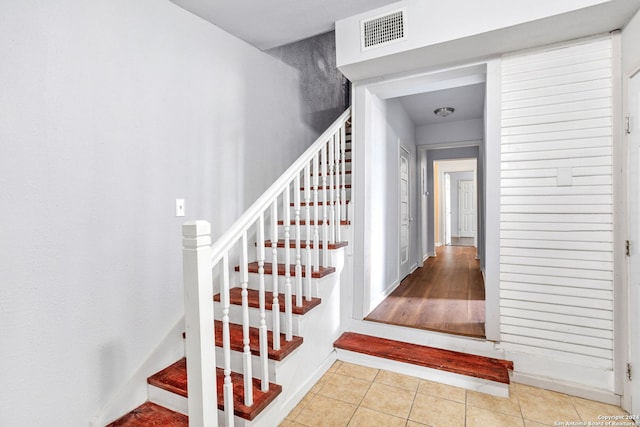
(270, 23)
(467, 100)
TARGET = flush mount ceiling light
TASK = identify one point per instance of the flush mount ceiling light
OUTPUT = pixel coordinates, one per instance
(444, 111)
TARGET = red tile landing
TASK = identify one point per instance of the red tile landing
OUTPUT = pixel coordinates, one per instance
(150, 414)
(174, 379)
(429, 357)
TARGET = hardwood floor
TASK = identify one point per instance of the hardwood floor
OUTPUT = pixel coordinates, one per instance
(446, 295)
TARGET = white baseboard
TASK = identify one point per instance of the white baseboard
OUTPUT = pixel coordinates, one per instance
(567, 388)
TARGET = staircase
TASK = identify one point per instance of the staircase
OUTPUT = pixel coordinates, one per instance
(258, 339)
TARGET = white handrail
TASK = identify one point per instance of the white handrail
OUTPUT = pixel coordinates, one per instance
(249, 217)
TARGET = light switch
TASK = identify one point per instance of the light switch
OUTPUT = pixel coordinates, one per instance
(179, 207)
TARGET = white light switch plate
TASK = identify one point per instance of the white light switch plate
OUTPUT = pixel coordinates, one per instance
(179, 207)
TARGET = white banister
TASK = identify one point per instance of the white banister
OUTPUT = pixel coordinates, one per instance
(246, 348)
(221, 245)
(200, 341)
(226, 344)
(201, 259)
(264, 343)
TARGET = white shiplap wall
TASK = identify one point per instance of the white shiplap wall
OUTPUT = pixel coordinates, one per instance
(556, 250)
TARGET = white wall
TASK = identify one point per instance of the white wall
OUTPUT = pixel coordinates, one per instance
(109, 110)
(391, 127)
(444, 133)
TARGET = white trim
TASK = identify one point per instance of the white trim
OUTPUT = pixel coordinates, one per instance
(567, 388)
(620, 282)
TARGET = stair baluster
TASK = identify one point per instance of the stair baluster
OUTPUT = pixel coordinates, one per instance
(288, 316)
(226, 344)
(274, 267)
(332, 211)
(246, 359)
(338, 214)
(325, 219)
(316, 219)
(264, 343)
(307, 207)
(296, 198)
(343, 155)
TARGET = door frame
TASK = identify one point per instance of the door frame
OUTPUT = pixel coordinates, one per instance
(628, 347)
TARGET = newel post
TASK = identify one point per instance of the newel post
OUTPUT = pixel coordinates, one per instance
(198, 318)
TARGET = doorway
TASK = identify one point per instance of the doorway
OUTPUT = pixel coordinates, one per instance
(455, 210)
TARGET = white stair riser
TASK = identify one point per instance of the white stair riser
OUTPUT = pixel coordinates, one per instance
(303, 233)
(179, 404)
(436, 375)
(237, 364)
(292, 253)
(235, 316)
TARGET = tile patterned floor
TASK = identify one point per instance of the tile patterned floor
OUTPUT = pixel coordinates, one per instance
(353, 395)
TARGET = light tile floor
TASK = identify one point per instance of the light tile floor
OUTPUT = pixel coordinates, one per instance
(353, 395)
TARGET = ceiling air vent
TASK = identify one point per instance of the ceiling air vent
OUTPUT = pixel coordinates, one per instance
(383, 30)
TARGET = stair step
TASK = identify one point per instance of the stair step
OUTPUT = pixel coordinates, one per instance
(429, 357)
(344, 160)
(268, 269)
(236, 336)
(319, 203)
(174, 379)
(150, 414)
(235, 298)
(320, 222)
(303, 244)
(334, 173)
(320, 187)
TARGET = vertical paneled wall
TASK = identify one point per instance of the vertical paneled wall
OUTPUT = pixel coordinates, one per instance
(556, 251)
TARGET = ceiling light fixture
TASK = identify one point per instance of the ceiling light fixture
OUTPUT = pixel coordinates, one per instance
(444, 111)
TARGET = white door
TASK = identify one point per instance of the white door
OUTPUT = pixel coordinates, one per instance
(466, 209)
(447, 209)
(405, 219)
(634, 241)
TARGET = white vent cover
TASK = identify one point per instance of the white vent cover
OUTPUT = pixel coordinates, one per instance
(383, 30)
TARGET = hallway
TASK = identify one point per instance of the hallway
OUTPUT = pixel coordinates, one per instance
(445, 295)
